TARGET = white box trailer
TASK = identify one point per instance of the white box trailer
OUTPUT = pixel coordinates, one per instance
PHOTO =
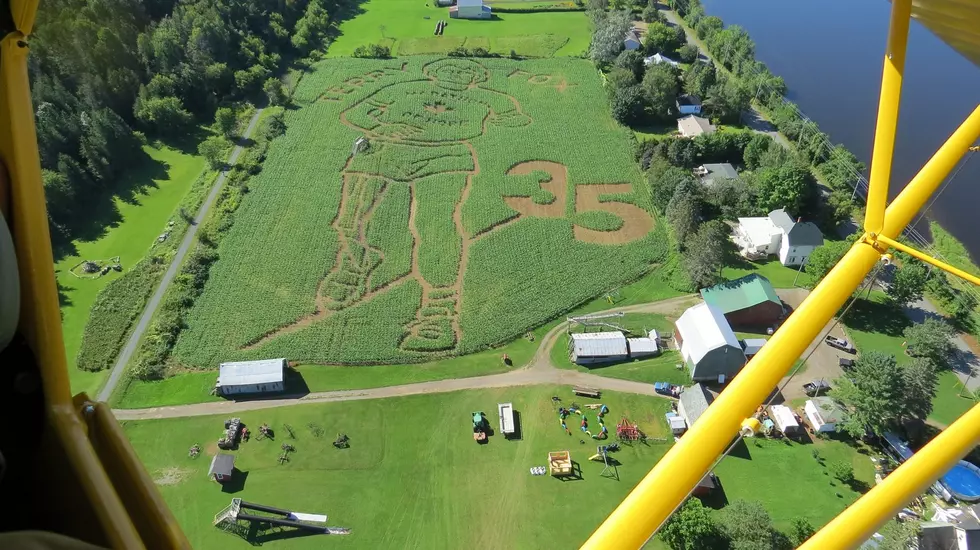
(506, 413)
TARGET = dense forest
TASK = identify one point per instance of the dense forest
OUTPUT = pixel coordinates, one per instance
(107, 74)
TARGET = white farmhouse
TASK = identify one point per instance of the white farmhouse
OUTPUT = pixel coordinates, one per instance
(777, 234)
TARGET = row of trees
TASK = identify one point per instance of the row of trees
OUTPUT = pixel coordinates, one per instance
(735, 50)
(102, 68)
(740, 525)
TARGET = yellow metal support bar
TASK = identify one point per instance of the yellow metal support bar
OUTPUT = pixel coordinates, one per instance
(928, 259)
(888, 103)
(858, 522)
(655, 498)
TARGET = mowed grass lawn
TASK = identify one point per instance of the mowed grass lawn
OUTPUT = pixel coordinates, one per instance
(875, 325)
(414, 478)
(141, 222)
(407, 27)
(779, 275)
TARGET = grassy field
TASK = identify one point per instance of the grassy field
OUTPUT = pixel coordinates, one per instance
(407, 28)
(779, 275)
(140, 222)
(413, 476)
(352, 290)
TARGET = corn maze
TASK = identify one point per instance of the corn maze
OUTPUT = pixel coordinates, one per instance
(492, 196)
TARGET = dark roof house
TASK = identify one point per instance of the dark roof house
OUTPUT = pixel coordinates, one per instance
(747, 301)
(711, 173)
(797, 233)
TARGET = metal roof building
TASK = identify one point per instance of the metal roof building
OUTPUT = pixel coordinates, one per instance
(708, 344)
(597, 347)
(747, 301)
(261, 376)
(222, 467)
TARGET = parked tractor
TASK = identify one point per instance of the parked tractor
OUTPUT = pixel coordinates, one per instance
(480, 427)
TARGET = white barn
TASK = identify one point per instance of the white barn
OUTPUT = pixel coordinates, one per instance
(597, 347)
(263, 376)
(708, 344)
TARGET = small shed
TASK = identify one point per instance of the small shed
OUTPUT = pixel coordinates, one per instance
(687, 104)
(707, 484)
(823, 413)
(784, 419)
(752, 346)
(261, 376)
(506, 413)
(708, 344)
(597, 347)
(644, 347)
(692, 403)
(749, 301)
(222, 467)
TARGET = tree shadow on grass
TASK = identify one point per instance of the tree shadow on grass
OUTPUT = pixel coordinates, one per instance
(96, 213)
(740, 450)
(237, 482)
(716, 499)
(188, 141)
(868, 316)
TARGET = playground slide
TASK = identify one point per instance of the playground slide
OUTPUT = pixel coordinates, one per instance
(319, 518)
(262, 508)
(283, 522)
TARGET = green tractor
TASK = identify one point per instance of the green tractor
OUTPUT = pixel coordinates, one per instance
(480, 427)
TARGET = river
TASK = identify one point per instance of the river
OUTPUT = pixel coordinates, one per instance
(830, 55)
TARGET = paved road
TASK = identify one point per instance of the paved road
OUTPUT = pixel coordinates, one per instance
(539, 370)
(168, 277)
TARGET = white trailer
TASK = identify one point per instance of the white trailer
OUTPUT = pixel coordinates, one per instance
(506, 413)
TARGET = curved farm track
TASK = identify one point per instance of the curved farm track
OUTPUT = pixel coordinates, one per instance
(539, 370)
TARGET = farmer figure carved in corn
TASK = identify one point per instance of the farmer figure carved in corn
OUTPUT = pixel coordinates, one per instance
(419, 134)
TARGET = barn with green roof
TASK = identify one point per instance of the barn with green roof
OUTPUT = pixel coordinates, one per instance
(750, 301)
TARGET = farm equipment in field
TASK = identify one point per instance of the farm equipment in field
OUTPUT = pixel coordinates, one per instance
(233, 428)
(480, 427)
